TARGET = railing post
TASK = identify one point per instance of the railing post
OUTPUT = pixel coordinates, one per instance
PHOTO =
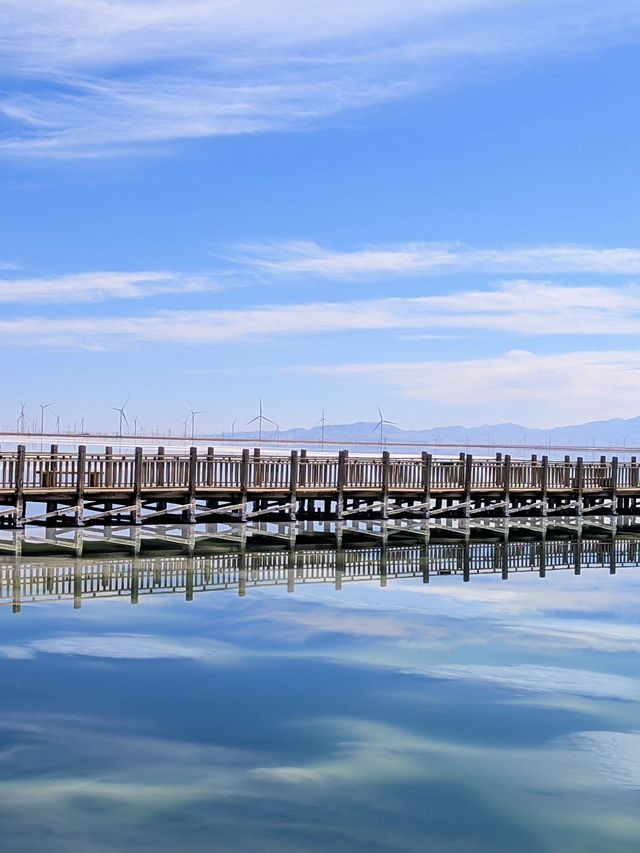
(303, 469)
(81, 471)
(192, 485)
(386, 470)
(506, 484)
(545, 486)
(160, 469)
(137, 486)
(108, 471)
(468, 471)
(579, 484)
(244, 483)
(426, 482)
(210, 463)
(19, 484)
(293, 485)
(54, 466)
(614, 485)
(342, 476)
(257, 468)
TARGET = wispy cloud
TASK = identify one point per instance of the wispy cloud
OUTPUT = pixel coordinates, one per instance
(539, 389)
(99, 286)
(517, 307)
(90, 77)
(422, 258)
(539, 679)
(134, 647)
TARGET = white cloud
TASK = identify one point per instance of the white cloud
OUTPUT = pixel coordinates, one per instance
(538, 389)
(602, 636)
(85, 80)
(137, 647)
(98, 286)
(538, 679)
(519, 307)
(409, 259)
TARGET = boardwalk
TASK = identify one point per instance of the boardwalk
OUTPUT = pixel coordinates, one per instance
(83, 488)
(29, 581)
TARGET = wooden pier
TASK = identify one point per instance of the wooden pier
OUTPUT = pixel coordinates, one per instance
(79, 489)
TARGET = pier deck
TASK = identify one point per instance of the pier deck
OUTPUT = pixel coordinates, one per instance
(54, 488)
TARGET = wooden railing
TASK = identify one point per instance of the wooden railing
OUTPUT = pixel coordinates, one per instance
(52, 470)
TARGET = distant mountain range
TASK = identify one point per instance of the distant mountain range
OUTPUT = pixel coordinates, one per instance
(616, 432)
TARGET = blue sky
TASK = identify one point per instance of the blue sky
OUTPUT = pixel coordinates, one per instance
(427, 205)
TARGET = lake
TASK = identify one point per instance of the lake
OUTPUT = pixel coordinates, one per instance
(194, 703)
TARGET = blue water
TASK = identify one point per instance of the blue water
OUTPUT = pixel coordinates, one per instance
(496, 715)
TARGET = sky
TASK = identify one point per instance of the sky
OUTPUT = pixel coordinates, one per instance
(428, 206)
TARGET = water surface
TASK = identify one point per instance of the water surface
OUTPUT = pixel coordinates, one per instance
(382, 715)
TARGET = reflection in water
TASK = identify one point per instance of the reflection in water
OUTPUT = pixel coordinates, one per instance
(30, 580)
(452, 717)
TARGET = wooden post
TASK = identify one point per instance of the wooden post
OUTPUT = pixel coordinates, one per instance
(542, 566)
(108, 471)
(614, 485)
(468, 473)
(244, 483)
(137, 486)
(545, 486)
(303, 468)
(342, 476)
(293, 485)
(506, 484)
(210, 464)
(161, 464)
(81, 471)
(192, 485)
(20, 465)
(579, 484)
(257, 468)
(53, 468)
(426, 482)
(386, 470)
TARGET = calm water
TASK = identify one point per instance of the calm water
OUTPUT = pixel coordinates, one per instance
(495, 715)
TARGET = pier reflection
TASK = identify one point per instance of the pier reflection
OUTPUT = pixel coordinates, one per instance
(24, 580)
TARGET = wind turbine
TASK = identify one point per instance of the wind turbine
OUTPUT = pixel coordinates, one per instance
(44, 406)
(194, 412)
(21, 419)
(260, 418)
(321, 423)
(123, 416)
(381, 425)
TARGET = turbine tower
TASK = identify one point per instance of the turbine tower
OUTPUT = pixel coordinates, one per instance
(381, 425)
(44, 406)
(260, 418)
(194, 412)
(321, 423)
(123, 416)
